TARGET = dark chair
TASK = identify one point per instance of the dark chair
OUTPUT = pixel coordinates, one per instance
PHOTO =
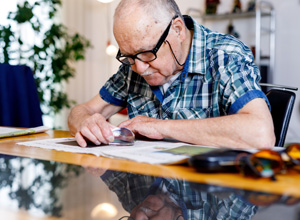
(19, 102)
(282, 103)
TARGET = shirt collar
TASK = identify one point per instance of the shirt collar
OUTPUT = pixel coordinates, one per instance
(197, 61)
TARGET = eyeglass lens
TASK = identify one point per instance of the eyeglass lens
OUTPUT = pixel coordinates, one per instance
(267, 163)
(293, 150)
(144, 56)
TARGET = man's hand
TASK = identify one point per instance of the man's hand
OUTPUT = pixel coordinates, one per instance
(96, 129)
(87, 122)
(144, 126)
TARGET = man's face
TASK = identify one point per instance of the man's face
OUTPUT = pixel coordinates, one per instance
(156, 207)
(137, 35)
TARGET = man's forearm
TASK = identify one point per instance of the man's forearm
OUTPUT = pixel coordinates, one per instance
(252, 127)
(238, 131)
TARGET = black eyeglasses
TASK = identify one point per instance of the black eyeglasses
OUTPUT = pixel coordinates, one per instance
(145, 56)
(267, 163)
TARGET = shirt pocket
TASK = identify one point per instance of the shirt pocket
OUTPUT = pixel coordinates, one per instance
(138, 104)
(192, 113)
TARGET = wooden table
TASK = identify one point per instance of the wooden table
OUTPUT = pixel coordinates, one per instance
(286, 184)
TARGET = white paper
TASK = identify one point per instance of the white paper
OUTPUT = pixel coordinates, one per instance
(11, 132)
(4, 130)
(142, 151)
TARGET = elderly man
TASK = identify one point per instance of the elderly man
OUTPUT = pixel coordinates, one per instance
(178, 80)
(149, 197)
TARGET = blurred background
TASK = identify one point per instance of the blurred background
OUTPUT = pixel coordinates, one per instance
(92, 19)
(70, 49)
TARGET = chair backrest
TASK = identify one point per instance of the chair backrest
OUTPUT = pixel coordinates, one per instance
(282, 103)
(19, 102)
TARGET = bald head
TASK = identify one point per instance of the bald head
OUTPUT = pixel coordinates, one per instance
(137, 20)
(159, 10)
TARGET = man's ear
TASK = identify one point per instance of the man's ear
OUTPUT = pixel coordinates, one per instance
(179, 28)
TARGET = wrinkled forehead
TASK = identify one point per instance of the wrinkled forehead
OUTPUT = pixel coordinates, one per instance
(136, 33)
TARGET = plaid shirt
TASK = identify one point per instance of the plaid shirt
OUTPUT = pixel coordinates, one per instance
(219, 78)
(132, 189)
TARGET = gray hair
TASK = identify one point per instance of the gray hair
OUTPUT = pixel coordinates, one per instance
(162, 11)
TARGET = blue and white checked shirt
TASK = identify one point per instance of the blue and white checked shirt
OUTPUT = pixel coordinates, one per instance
(132, 189)
(219, 78)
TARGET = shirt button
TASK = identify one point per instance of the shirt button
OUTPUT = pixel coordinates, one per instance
(143, 107)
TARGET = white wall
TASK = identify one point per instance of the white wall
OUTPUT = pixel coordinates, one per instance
(287, 55)
(89, 18)
(287, 47)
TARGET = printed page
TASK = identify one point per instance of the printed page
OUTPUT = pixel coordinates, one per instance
(11, 132)
(153, 152)
(4, 130)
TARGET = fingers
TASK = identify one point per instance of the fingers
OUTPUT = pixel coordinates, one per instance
(136, 121)
(143, 126)
(125, 123)
(105, 134)
(95, 129)
(93, 134)
(80, 140)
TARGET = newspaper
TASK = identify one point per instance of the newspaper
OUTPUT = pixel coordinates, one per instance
(153, 152)
(11, 132)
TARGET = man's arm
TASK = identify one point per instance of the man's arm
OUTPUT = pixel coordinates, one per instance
(251, 127)
(88, 121)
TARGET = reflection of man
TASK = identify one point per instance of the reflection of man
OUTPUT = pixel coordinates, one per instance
(146, 197)
(159, 206)
(174, 68)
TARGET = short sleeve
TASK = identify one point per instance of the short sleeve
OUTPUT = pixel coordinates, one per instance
(239, 83)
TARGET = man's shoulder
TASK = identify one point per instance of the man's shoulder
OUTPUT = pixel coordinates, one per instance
(217, 42)
(225, 42)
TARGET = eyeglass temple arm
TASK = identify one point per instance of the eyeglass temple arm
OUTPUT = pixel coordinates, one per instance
(279, 86)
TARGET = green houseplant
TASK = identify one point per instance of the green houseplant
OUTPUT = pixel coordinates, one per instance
(50, 59)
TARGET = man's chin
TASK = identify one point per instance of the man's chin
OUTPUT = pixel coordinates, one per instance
(153, 81)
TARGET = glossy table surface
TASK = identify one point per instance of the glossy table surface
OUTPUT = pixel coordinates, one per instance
(38, 184)
(286, 184)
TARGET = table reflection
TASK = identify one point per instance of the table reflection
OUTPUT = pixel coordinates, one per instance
(46, 189)
(146, 197)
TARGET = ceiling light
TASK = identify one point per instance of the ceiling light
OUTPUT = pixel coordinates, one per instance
(104, 210)
(111, 49)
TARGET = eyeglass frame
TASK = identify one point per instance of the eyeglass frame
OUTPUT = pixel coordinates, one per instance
(153, 51)
(244, 160)
(245, 165)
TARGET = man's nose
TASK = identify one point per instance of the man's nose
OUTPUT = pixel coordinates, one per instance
(140, 66)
